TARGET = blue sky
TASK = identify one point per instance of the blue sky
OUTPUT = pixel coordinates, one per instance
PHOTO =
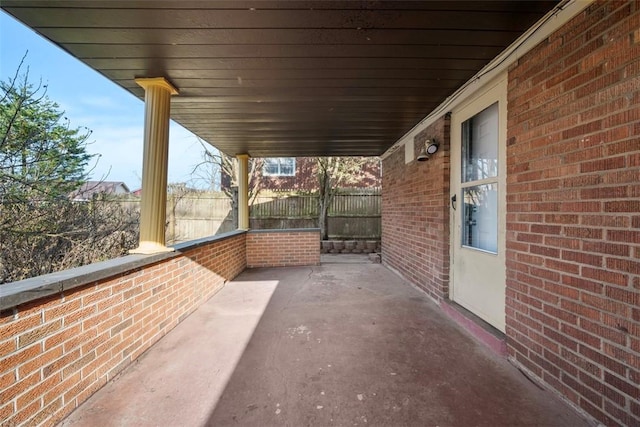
(114, 115)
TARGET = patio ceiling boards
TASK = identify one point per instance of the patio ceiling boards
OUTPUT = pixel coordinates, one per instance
(289, 78)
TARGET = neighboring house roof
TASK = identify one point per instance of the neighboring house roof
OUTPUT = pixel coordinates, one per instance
(92, 188)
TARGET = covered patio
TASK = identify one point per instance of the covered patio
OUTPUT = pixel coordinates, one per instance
(508, 133)
(339, 344)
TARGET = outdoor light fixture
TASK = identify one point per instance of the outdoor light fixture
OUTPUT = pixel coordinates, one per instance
(430, 147)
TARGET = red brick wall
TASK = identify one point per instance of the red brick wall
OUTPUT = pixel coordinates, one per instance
(283, 248)
(415, 214)
(573, 222)
(56, 351)
(305, 178)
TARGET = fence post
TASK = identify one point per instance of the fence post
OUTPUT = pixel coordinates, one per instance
(172, 217)
(234, 206)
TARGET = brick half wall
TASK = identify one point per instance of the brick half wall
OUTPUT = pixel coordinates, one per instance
(283, 248)
(57, 350)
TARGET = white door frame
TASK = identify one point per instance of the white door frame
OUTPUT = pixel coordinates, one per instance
(486, 299)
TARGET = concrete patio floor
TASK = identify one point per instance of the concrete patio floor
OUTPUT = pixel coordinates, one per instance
(341, 344)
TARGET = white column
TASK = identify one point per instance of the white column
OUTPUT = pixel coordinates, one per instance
(243, 191)
(153, 206)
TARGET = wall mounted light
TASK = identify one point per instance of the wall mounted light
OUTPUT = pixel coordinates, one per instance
(430, 147)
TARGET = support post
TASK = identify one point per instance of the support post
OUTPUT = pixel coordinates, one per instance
(153, 206)
(243, 191)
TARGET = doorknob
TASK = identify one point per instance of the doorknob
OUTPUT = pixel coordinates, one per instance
(453, 201)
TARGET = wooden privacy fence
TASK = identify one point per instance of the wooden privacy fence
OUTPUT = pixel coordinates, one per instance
(356, 216)
(196, 215)
(352, 214)
(347, 203)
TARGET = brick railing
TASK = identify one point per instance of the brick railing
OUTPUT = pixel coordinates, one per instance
(87, 324)
(64, 335)
(283, 248)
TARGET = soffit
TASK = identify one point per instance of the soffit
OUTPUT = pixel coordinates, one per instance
(289, 78)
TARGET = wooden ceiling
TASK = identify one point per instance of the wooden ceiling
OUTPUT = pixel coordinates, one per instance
(289, 78)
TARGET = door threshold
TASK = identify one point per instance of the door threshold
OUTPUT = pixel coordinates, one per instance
(489, 336)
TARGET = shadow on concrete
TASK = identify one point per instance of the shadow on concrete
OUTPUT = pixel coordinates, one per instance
(354, 345)
(336, 344)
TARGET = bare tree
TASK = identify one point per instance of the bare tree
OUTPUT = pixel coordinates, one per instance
(222, 170)
(42, 160)
(332, 174)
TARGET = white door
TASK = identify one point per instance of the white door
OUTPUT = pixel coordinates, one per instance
(478, 204)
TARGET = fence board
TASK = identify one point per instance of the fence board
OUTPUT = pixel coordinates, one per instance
(352, 215)
(298, 206)
(354, 227)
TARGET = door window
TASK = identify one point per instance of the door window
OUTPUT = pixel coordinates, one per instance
(479, 180)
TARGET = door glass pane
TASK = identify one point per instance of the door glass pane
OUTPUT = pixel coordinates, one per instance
(480, 145)
(480, 217)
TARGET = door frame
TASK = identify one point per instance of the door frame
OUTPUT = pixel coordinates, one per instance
(492, 92)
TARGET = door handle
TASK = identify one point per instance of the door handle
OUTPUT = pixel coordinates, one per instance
(453, 201)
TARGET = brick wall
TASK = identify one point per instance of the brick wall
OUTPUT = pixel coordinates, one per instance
(283, 248)
(573, 222)
(58, 350)
(305, 178)
(415, 214)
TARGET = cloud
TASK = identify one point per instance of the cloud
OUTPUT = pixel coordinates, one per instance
(101, 102)
(120, 150)
(185, 152)
(88, 99)
(119, 153)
